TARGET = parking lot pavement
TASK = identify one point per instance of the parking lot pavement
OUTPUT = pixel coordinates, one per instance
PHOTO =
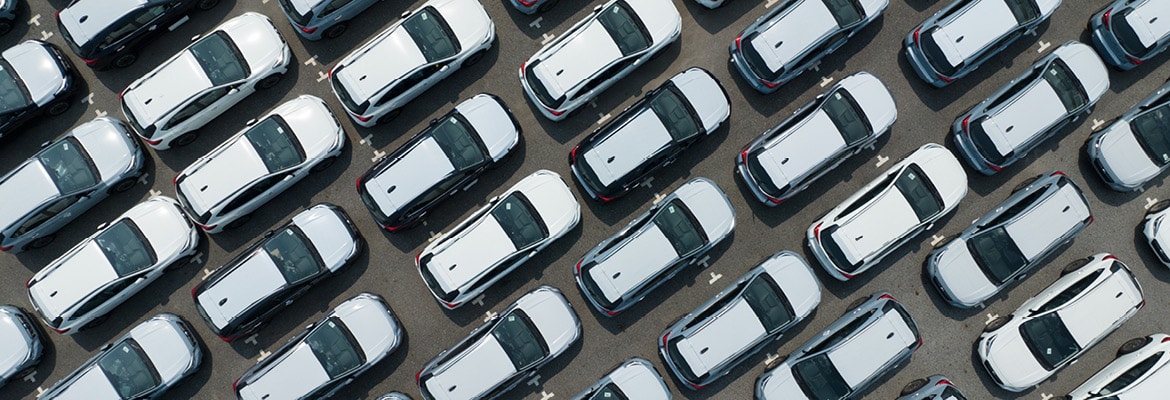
(386, 268)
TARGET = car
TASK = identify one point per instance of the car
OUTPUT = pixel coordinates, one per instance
(904, 201)
(635, 378)
(1093, 297)
(738, 322)
(1156, 235)
(7, 15)
(443, 160)
(169, 104)
(930, 388)
(80, 288)
(1058, 89)
(650, 134)
(673, 234)
(21, 344)
(64, 179)
(35, 79)
(1041, 216)
(510, 229)
(533, 6)
(106, 33)
(327, 355)
(1138, 372)
(872, 339)
(269, 275)
(142, 364)
(597, 52)
(316, 19)
(428, 44)
(1134, 149)
(712, 3)
(509, 348)
(795, 35)
(221, 189)
(789, 157)
(1126, 32)
(966, 33)
(394, 396)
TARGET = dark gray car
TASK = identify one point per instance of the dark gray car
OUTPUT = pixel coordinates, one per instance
(1127, 32)
(1135, 148)
(316, 19)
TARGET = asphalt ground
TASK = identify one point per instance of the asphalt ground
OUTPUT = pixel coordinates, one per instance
(386, 268)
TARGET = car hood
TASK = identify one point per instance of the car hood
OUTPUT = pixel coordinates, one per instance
(1124, 156)
(405, 179)
(37, 68)
(166, 347)
(26, 188)
(314, 125)
(641, 258)
(721, 339)
(63, 286)
(468, 19)
(467, 257)
(292, 377)
(874, 98)
(632, 144)
(254, 279)
(957, 271)
(660, 18)
(794, 33)
(14, 350)
(91, 385)
(797, 281)
(258, 40)
(1087, 66)
(492, 124)
(780, 385)
(710, 207)
(706, 96)
(167, 229)
(329, 234)
(801, 149)
(475, 371)
(111, 150)
(1013, 362)
(372, 327)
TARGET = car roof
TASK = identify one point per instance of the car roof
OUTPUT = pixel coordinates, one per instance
(297, 373)
(23, 190)
(254, 278)
(967, 33)
(404, 179)
(326, 228)
(873, 97)
(1092, 313)
(705, 95)
(166, 88)
(589, 51)
(643, 256)
(109, 146)
(627, 147)
(227, 169)
(492, 122)
(478, 367)
(89, 385)
(869, 349)
(70, 279)
(718, 341)
(368, 70)
(1061, 211)
(87, 18)
(1150, 21)
(785, 39)
(710, 207)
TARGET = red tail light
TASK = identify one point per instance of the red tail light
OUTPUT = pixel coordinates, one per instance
(416, 377)
(1133, 60)
(945, 78)
(390, 228)
(152, 142)
(1091, 219)
(817, 230)
(358, 182)
(944, 382)
(450, 305)
(744, 155)
(28, 283)
(1109, 257)
(416, 258)
(773, 200)
(90, 61)
(694, 386)
(206, 227)
(363, 119)
(522, 65)
(527, 3)
(887, 296)
(738, 41)
(307, 30)
(1166, 339)
(61, 330)
(237, 382)
(1061, 173)
(193, 291)
(610, 313)
(6, 248)
(1105, 17)
(573, 154)
(993, 167)
(227, 338)
(175, 180)
(664, 338)
(578, 268)
(919, 345)
(1143, 304)
(916, 32)
(555, 113)
(605, 199)
(847, 276)
(965, 124)
(770, 85)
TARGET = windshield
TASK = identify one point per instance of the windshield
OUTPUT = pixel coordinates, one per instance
(125, 247)
(292, 255)
(624, 28)
(680, 228)
(1065, 85)
(765, 300)
(846, 12)
(68, 165)
(454, 137)
(819, 378)
(1049, 340)
(846, 116)
(608, 392)
(431, 34)
(675, 115)
(1131, 375)
(918, 192)
(275, 144)
(1152, 130)
(996, 254)
(220, 59)
(13, 95)
(1024, 10)
(335, 348)
(519, 221)
(517, 337)
(128, 369)
(935, 55)
(1127, 36)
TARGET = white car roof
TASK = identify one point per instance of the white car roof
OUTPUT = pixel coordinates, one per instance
(969, 32)
(1094, 311)
(863, 355)
(1048, 221)
(1150, 21)
(165, 88)
(641, 258)
(589, 51)
(84, 19)
(381, 61)
(422, 167)
(705, 95)
(1033, 110)
(793, 34)
(91, 385)
(254, 278)
(719, 340)
(481, 366)
(33, 62)
(627, 147)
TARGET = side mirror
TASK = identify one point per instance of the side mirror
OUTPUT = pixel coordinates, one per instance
(269, 234)
(103, 225)
(598, 8)
(405, 14)
(250, 122)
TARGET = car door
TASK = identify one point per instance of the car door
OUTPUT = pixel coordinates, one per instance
(251, 199)
(337, 11)
(132, 29)
(185, 119)
(50, 217)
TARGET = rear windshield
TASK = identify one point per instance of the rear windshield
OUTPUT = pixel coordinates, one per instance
(918, 192)
(819, 379)
(934, 54)
(346, 98)
(847, 116)
(675, 114)
(296, 17)
(762, 179)
(13, 95)
(756, 62)
(1066, 86)
(983, 143)
(1152, 130)
(996, 254)
(519, 221)
(1126, 36)
(456, 141)
(276, 144)
(68, 165)
(680, 228)
(220, 58)
(432, 35)
(836, 255)
(1049, 340)
(625, 28)
(125, 247)
(846, 12)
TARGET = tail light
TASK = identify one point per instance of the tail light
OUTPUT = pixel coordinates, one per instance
(152, 142)
(966, 125)
(664, 338)
(919, 345)
(694, 386)
(1143, 304)
(605, 199)
(1105, 17)
(847, 276)
(944, 382)
(573, 154)
(916, 32)
(1058, 172)
(522, 66)
(527, 3)
(89, 61)
(450, 305)
(945, 78)
(61, 330)
(207, 227)
(417, 376)
(363, 119)
(887, 296)
(993, 167)
(769, 84)
(1166, 339)
(738, 41)
(358, 183)
(227, 338)
(744, 155)
(610, 313)
(555, 113)
(1133, 59)
(29, 282)
(578, 268)
(6, 248)
(389, 227)
(817, 230)
(1109, 257)
(237, 382)
(416, 258)
(307, 30)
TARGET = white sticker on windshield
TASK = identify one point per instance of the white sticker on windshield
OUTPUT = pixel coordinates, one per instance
(508, 206)
(511, 318)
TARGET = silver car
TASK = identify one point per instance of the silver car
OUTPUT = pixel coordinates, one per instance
(316, 19)
(510, 229)
(508, 349)
(80, 288)
(1043, 214)
(901, 203)
(1139, 372)
(1093, 297)
(788, 158)
(64, 179)
(673, 234)
(597, 52)
(1128, 32)
(1135, 148)
(754, 311)
(143, 364)
(327, 355)
(635, 379)
(934, 387)
(394, 396)
(21, 344)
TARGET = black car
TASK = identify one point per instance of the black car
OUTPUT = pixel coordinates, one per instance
(110, 32)
(35, 79)
(276, 270)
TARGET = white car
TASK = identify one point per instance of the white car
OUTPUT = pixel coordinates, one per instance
(634, 379)
(901, 203)
(21, 344)
(221, 189)
(596, 52)
(222, 67)
(376, 80)
(1134, 149)
(1139, 372)
(1157, 234)
(1092, 298)
(510, 229)
(81, 287)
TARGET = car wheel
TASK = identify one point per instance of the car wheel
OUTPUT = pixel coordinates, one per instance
(474, 58)
(125, 60)
(913, 386)
(546, 6)
(238, 222)
(268, 82)
(1025, 183)
(856, 303)
(123, 185)
(997, 323)
(336, 30)
(1132, 345)
(185, 139)
(389, 116)
(5, 27)
(1075, 265)
(57, 108)
(323, 165)
(1159, 206)
(40, 242)
(207, 4)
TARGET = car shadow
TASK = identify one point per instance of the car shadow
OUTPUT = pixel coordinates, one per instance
(393, 363)
(922, 5)
(1148, 258)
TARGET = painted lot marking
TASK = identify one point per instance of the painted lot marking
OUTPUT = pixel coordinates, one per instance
(881, 160)
(1150, 202)
(714, 277)
(1043, 46)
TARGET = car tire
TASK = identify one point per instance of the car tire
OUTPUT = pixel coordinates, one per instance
(1159, 206)
(205, 5)
(913, 386)
(856, 303)
(323, 165)
(185, 139)
(268, 82)
(997, 323)
(238, 222)
(40, 242)
(5, 27)
(1075, 265)
(335, 31)
(546, 6)
(1025, 183)
(389, 116)
(1132, 345)
(123, 185)
(125, 60)
(57, 108)
(474, 58)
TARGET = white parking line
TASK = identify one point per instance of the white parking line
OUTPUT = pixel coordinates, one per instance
(535, 381)
(770, 3)
(601, 118)
(35, 20)
(40, 391)
(45, 35)
(311, 61)
(1046, 396)
(155, 192)
(263, 355)
(432, 237)
(478, 300)
(882, 160)
(100, 113)
(936, 240)
(378, 154)
(714, 277)
(536, 23)
(206, 273)
(487, 316)
(826, 81)
(1043, 46)
(658, 197)
(546, 395)
(1097, 123)
(545, 38)
(87, 99)
(990, 317)
(368, 140)
(1150, 202)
